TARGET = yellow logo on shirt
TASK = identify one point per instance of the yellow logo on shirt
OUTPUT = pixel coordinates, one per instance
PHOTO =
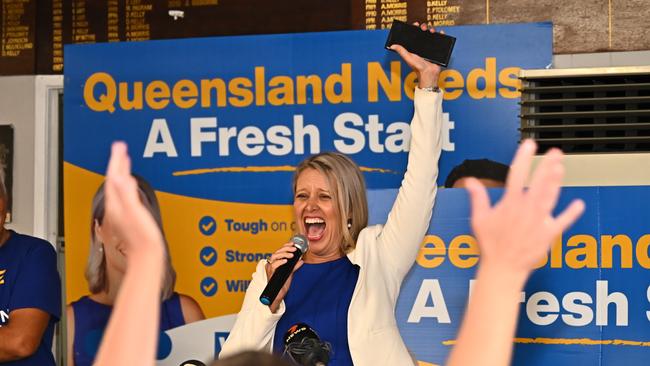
(2, 276)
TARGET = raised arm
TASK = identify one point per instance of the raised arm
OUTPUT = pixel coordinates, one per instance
(132, 333)
(410, 215)
(513, 236)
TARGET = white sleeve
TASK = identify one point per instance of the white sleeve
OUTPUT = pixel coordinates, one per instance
(255, 324)
(410, 215)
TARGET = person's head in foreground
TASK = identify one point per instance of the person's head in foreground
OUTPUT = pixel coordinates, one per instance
(251, 358)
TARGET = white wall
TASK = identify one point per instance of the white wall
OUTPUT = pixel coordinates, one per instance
(602, 59)
(30, 105)
(17, 108)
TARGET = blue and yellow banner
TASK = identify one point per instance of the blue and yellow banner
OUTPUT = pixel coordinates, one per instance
(217, 125)
(587, 304)
(204, 116)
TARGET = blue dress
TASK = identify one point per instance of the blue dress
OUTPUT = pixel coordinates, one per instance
(29, 279)
(320, 296)
(91, 318)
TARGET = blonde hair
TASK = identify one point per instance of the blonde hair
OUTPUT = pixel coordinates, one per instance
(96, 265)
(349, 191)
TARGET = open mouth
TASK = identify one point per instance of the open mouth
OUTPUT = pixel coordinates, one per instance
(315, 228)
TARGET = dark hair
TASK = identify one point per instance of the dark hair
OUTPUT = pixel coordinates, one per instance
(251, 358)
(479, 168)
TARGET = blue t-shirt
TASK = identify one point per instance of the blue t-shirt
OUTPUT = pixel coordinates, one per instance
(320, 296)
(29, 279)
(91, 319)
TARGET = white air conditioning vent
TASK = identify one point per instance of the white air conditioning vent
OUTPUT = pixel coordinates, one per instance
(587, 111)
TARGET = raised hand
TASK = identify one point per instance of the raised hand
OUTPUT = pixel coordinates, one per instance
(513, 236)
(427, 72)
(125, 212)
(138, 301)
(515, 233)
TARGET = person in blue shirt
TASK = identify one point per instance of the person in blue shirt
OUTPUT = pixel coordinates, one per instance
(30, 296)
(107, 261)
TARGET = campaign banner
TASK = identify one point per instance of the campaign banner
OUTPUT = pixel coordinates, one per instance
(217, 125)
(588, 303)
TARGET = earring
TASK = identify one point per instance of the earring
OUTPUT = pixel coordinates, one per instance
(349, 223)
(101, 249)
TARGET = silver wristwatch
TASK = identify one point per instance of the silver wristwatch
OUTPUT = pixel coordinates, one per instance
(431, 89)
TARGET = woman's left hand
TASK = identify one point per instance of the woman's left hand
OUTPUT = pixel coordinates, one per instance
(426, 71)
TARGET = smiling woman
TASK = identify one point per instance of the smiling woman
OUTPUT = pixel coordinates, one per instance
(107, 262)
(347, 283)
(329, 213)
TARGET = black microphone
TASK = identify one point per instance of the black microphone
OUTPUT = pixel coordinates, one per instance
(305, 347)
(284, 271)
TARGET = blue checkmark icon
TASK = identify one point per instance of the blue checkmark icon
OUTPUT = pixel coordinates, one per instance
(208, 256)
(207, 225)
(209, 286)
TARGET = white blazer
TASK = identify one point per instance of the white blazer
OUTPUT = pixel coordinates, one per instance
(384, 253)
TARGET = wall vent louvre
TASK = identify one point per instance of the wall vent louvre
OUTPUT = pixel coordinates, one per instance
(586, 111)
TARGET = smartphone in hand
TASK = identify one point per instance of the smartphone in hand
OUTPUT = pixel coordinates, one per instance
(434, 47)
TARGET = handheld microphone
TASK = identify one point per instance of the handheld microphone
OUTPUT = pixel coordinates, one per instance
(284, 271)
(305, 347)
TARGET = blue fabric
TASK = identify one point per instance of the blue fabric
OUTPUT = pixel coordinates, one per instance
(29, 279)
(320, 295)
(91, 318)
